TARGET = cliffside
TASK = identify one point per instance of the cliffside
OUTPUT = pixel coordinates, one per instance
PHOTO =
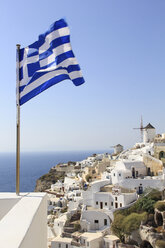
(45, 181)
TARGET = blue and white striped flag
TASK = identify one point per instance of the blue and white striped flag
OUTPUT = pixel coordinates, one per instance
(47, 61)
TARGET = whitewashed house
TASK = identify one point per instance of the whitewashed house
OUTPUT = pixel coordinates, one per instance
(91, 240)
(71, 184)
(111, 197)
(61, 242)
(111, 241)
(93, 188)
(59, 224)
(127, 169)
(58, 186)
(93, 220)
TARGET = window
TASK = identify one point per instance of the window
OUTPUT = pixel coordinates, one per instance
(105, 203)
(105, 222)
(97, 203)
(96, 221)
(114, 174)
(120, 205)
(111, 203)
(115, 198)
(119, 174)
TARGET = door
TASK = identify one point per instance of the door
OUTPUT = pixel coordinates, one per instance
(101, 205)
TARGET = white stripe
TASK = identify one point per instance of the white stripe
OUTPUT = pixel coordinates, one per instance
(75, 74)
(29, 60)
(56, 51)
(53, 35)
(26, 78)
(41, 80)
(67, 62)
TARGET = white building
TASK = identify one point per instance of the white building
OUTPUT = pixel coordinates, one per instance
(111, 197)
(61, 242)
(149, 133)
(127, 169)
(70, 184)
(58, 186)
(59, 224)
(118, 148)
(92, 220)
(111, 241)
(91, 240)
(93, 188)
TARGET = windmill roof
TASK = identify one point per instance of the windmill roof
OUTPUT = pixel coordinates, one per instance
(118, 145)
(149, 126)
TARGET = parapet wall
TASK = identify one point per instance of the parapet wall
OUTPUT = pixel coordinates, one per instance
(25, 224)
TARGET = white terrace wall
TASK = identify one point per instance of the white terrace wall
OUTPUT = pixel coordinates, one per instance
(25, 225)
(7, 201)
(146, 183)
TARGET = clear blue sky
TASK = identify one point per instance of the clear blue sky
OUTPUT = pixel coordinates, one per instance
(120, 46)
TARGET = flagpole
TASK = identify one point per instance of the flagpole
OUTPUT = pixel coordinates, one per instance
(17, 125)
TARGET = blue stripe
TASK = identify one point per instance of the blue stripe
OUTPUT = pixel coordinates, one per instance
(78, 81)
(21, 73)
(71, 68)
(21, 88)
(60, 58)
(60, 41)
(43, 87)
(21, 53)
(32, 68)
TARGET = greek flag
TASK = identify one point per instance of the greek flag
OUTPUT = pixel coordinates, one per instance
(47, 61)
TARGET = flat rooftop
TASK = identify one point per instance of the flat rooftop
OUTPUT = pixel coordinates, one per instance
(108, 188)
(91, 236)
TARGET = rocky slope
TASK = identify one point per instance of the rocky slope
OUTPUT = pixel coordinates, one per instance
(45, 181)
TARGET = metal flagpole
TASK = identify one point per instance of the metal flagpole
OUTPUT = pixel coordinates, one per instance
(18, 126)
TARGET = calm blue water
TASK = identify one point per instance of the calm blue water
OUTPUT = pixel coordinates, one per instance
(33, 165)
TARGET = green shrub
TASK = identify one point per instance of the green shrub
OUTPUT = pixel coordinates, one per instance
(155, 195)
(160, 244)
(117, 226)
(77, 227)
(132, 222)
(160, 205)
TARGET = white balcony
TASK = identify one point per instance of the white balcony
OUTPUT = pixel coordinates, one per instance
(23, 220)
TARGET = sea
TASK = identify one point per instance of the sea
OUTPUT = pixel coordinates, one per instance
(32, 166)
